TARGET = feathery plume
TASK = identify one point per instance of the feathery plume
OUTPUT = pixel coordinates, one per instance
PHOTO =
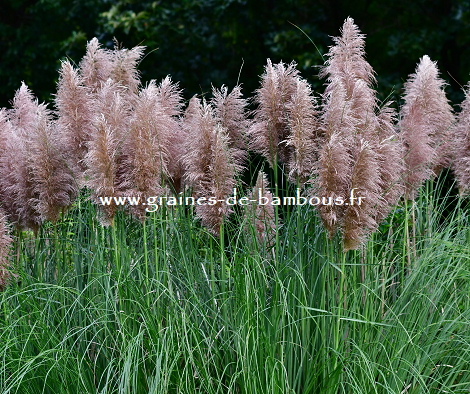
(426, 125)
(356, 143)
(211, 165)
(96, 66)
(335, 157)
(170, 99)
(220, 181)
(19, 181)
(230, 112)
(346, 59)
(146, 148)
(461, 164)
(391, 166)
(52, 180)
(261, 217)
(124, 67)
(301, 112)
(270, 129)
(105, 164)
(76, 113)
(23, 114)
(200, 124)
(5, 242)
(365, 182)
(6, 130)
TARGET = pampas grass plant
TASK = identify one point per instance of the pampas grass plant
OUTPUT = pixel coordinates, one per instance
(96, 66)
(211, 164)
(75, 106)
(146, 148)
(426, 126)
(357, 141)
(335, 157)
(230, 110)
(270, 129)
(304, 129)
(124, 63)
(239, 304)
(105, 177)
(17, 174)
(170, 97)
(54, 187)
(461, 164)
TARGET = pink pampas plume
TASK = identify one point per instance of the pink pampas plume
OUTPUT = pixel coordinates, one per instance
(461, 164)
(200, 124)
(96, 66)
(365, 183)
(230, 111)
(6, 130)
(53, 183)
(304, 128)
(124, 67)
(219, 182)
(426, 125)
(146, 147)
(76, 113)
(23, 114)
(270, 129)
(357, 145)
(346, 65)
(211, 165)
(105, 162)
(170, 99)
(261, 219)
(335, 157)
(5, 243)
(390, 152)
(18, 176)
(346, 59)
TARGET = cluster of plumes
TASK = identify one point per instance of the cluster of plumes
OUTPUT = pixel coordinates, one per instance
(95, 106)
(215, 134)
(117, 138)
(359, 148)
(426, 124)
(461, 164)
(285, 123)
(35, 182)
(123, 140)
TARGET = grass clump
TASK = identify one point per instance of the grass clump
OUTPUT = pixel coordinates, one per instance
(96, 311)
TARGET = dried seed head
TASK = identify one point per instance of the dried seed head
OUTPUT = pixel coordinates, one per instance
(426, 125)
(461, 164)
(53, 183)
(96, 66)
(76, 110)
(270, 129)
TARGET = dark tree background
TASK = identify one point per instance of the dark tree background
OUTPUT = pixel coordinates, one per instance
(204, 42)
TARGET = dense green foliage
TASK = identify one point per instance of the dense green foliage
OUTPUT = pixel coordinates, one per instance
(166, 308)
(204, 42)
